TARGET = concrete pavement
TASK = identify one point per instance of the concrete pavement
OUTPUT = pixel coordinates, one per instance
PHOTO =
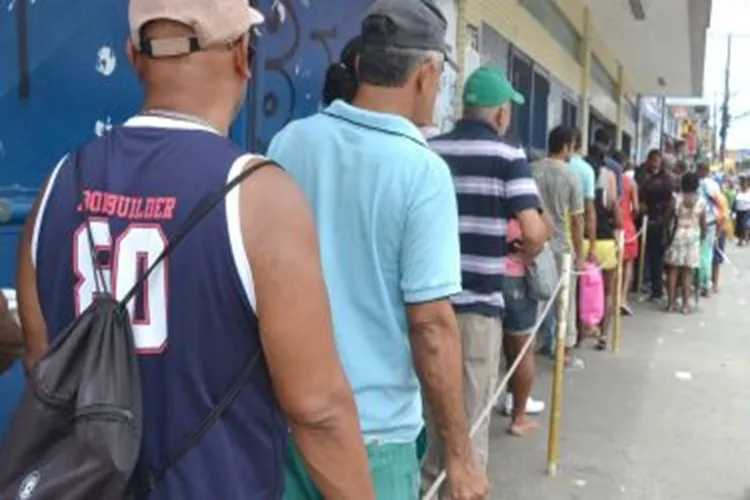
(666, 418)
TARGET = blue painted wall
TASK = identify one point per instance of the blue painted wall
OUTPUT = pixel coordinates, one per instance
(64, 78)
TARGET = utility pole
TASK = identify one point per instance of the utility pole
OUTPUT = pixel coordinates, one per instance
(663, 118)
(714, 126)
(725, 118)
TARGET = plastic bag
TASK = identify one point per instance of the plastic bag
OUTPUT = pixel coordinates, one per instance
(542, 276)
(591, 295)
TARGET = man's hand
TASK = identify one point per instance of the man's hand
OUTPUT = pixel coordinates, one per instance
(591, 257)
(579, 263)
(534, 232)
(519, 250)
(465, 480)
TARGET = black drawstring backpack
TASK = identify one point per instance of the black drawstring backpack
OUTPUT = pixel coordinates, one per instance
(76, 434)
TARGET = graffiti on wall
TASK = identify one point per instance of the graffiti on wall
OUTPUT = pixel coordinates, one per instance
(300, 39)
(59, 68)
(445, 107)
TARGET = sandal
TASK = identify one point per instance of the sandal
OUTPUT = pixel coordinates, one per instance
(601, 344)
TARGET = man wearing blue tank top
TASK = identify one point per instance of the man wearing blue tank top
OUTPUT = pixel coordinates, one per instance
(247, 278)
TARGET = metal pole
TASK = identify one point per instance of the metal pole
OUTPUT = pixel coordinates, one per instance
(663, 119)
(725, 106)
(618, 292)
(715, 126)
(642, 261)
(557, 379)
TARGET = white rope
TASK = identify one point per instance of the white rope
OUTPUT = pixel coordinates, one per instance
(487, 411)
(636, 237)
(726, 259)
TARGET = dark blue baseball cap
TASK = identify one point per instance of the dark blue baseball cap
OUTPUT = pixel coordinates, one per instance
(406, 24)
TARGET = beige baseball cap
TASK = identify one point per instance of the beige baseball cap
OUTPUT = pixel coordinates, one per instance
(214, 22)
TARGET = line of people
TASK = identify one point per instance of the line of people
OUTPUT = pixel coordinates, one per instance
(690, 217)
(418, 248)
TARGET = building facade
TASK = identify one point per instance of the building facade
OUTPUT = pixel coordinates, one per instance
(579, 62)
(587, 64)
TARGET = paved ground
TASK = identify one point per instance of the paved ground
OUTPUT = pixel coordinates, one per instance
(635, 429)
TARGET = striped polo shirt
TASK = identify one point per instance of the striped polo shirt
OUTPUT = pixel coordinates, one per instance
(493, 183)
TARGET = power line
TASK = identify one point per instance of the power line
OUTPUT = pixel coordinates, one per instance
(725, 35)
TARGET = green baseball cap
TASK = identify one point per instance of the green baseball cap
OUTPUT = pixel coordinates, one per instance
(488, 87)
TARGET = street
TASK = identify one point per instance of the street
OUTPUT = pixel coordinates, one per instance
(666, 418)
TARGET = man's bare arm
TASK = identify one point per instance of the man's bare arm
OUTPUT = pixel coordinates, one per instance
(576, 230)
(438, 360)
(534, 233)
(589, 212)
(617, 217)
(33, 324)
(549, 224)
(10, 337)
(297, 335)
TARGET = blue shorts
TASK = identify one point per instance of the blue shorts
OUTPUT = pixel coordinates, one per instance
(520, 309)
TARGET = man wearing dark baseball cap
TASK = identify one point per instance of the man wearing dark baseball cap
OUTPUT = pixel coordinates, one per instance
(387, 222)
(410, 24)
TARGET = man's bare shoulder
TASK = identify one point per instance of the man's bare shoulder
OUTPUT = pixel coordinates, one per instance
(273, 207)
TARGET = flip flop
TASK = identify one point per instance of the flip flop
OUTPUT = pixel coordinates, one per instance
(522, 431)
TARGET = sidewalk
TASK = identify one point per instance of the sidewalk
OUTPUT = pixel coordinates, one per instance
(666, 418)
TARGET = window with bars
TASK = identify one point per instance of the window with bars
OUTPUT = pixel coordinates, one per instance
(539, 111)
(569, 113)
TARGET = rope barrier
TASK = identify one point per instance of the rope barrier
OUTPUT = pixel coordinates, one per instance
(561, 291)
(487, 410)
(636, 235)
(726, 259)
(642, 260)
(618, 296)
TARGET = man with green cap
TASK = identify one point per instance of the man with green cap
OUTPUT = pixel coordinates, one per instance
(493, 184)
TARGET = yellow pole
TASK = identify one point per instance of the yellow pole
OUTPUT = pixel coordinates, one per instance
(618, 293)
(557, 379)
(642, 262)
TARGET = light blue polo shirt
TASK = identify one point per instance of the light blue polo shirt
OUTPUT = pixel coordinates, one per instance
(585, 173)
(387, 222)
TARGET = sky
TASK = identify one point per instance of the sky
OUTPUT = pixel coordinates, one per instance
(725, 20)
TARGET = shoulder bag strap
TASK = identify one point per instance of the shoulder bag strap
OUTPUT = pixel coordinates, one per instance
(147, 479)
(100, 284)
(199, 212)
